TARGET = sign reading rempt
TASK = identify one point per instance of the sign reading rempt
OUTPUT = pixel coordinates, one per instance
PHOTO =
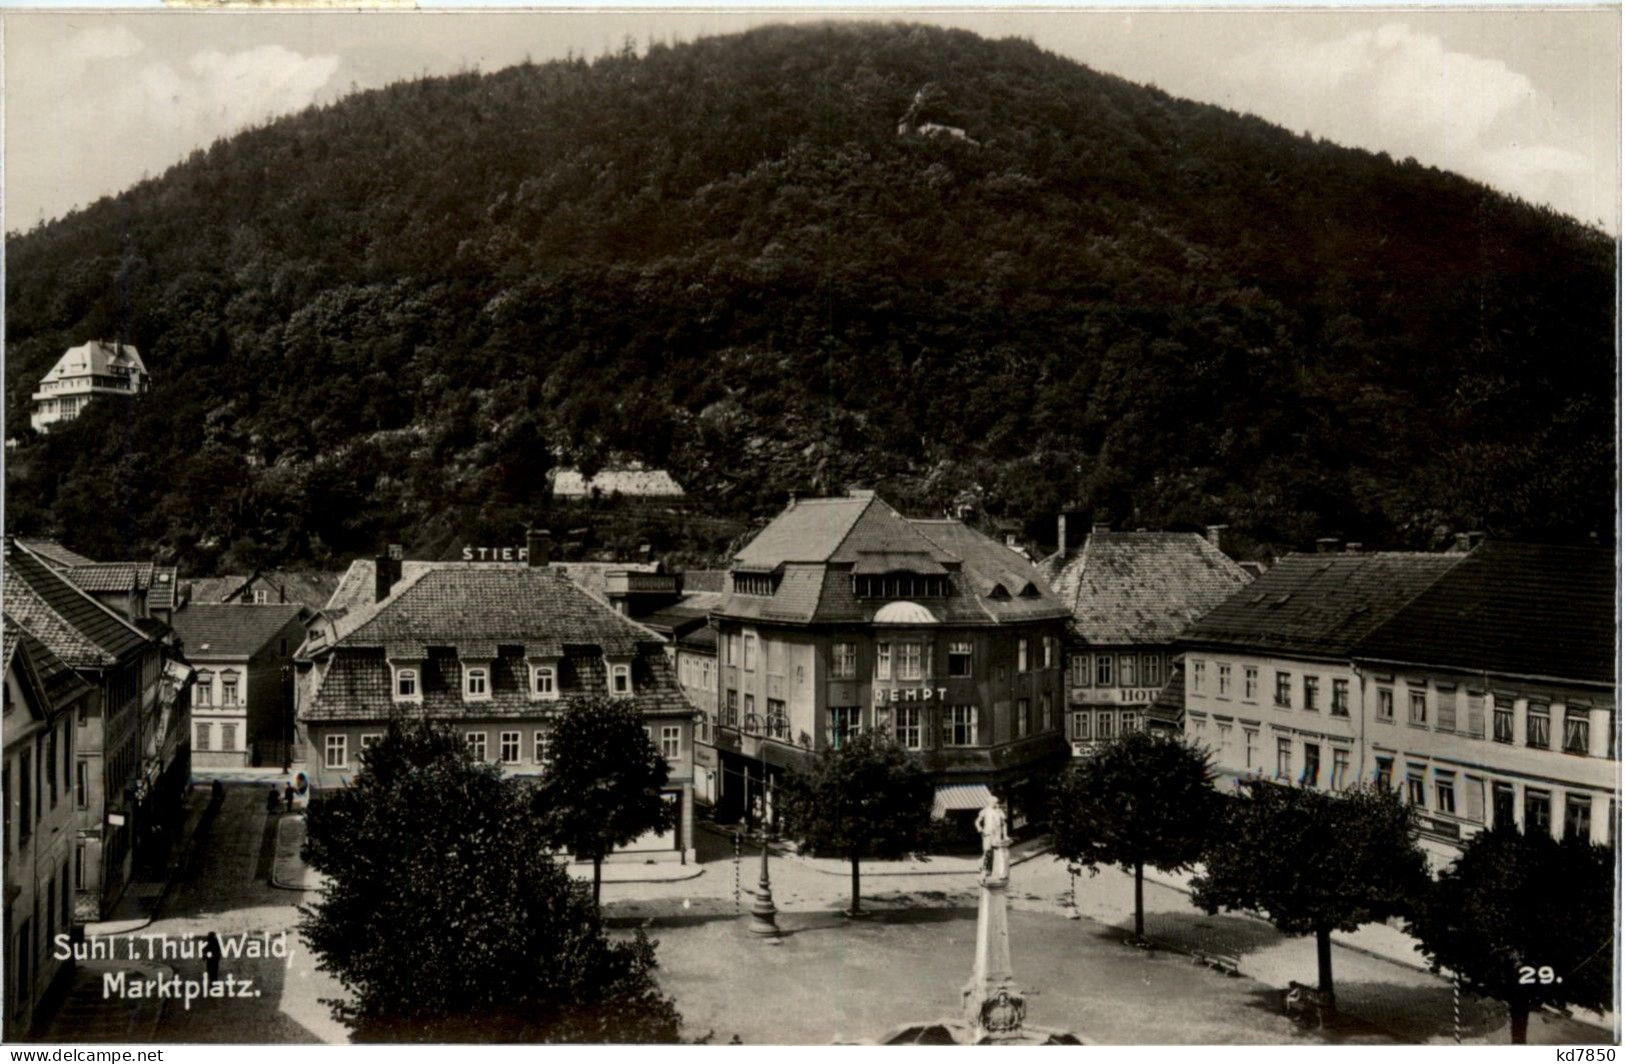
(887, 695)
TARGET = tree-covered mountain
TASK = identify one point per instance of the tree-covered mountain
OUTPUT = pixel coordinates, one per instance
(388, 317)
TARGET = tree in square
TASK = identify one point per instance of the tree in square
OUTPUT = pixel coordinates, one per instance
(447, 919)
(1314, 861)
(604, 782)
(1524, 919)
(867, 800)
(1142, 799)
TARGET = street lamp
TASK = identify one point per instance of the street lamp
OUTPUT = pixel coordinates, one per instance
(763, 912)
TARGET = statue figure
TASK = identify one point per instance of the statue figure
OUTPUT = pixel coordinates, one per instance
(990, 822)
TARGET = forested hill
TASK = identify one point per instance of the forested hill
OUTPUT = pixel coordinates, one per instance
(381, 319)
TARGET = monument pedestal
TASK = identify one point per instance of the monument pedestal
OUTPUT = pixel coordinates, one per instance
(993, 1009)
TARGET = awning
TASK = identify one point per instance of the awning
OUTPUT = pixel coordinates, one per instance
(955, 796)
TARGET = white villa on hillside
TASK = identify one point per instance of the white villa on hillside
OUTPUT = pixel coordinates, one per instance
(91, 369)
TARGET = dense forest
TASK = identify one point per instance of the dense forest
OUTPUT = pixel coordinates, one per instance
(387, 318)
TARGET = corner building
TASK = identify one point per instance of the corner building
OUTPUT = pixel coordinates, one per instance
(842, 615)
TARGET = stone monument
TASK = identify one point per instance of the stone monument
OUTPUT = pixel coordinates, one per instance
(993, 1008)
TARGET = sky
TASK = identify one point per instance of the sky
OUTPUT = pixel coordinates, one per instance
(1525, 100)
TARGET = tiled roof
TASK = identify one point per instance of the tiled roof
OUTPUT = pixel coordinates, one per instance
(452, 612)
(458, 603)
(1128, 588)
(684, 615)
(815, 545)
(59, 682)
(355, 587)
(1322, 604)
(75, 627)
(104, 577)
(311, 588)
(161, 592)
(229, 630)
(356, 687)
(1513, 609)
(95, 357)
(1169, 705)
(53, 553)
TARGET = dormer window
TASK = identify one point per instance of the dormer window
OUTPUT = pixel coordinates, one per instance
(746, 583)
(620, 679)
(406, 684)
(544, 681)
(899, 585)
(477, 682)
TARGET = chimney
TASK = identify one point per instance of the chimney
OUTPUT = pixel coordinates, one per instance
(1215, 536)
(1060, 534)
(386, 571)
(1326, 544)
(538, 546)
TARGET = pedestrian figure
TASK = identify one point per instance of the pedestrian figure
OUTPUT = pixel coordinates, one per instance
(217, 792)
(287, 795)
(211, 957)
(273, 802)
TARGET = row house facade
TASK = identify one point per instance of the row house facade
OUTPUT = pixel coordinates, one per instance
(43, 699)
(1270, 684)
(131, 738)
(493, 650)
(242, 688)
(1132, 595)
(842, 614)
(1490, 699)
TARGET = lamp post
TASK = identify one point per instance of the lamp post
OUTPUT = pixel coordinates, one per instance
(763, 913)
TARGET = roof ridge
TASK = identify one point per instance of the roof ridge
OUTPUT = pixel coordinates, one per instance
(87, 596)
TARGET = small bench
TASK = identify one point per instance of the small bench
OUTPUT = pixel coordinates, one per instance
(1227, 963)
(1308, 1005)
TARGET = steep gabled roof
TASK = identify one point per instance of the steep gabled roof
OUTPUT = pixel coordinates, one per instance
(459, 604)
(1320, 604)
(1128, 588)
(230, 630)
(52, 553)
(817, 546)
(1515, 609)
(47, 673)
(76, 628)
(810, 530)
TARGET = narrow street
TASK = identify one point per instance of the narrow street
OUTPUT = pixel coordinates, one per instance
(223, 887)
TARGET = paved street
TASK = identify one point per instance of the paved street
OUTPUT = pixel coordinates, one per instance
(870, 972)
(224, 887)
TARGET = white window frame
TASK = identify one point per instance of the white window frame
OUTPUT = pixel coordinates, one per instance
(961, 649)
(544, 681)
(203, 690)
(1021, 654)
(906, 731)
(339, 743)
(1198, 675)
(882, 661)
(407, 673)
(542, 745)
(910, 661)
(369, 740)
(483, 673)
(477, 743)
(1249, 683)
(671, 741)
(231, 685)
(503, 739)
(1224, 679)
(620, 679)
(843, 661)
